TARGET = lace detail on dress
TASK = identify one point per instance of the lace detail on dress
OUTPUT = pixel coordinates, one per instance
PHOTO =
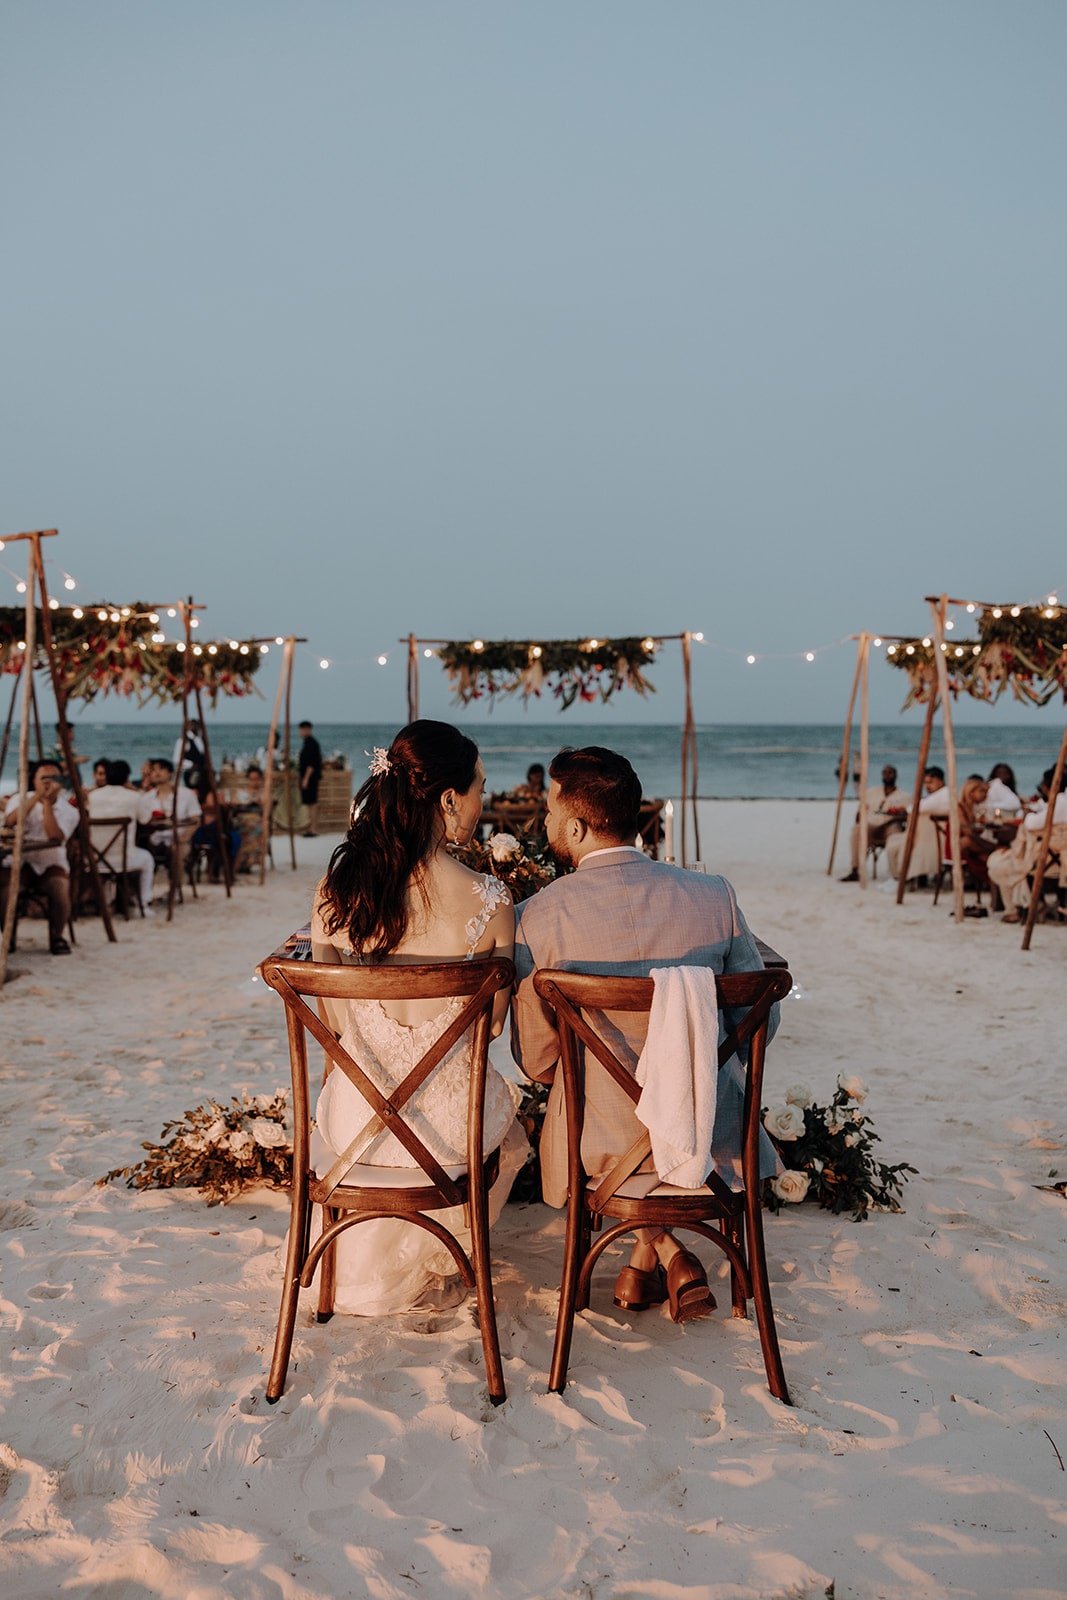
(493, 894)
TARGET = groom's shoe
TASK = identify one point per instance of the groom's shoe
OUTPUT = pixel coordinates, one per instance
(687, 1288)
(636, 1290)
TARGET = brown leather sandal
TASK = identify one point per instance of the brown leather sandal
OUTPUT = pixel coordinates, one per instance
(636, 1290)
(687, 1288)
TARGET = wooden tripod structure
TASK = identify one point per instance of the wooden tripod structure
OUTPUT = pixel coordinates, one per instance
(37, 590)
(689, 733)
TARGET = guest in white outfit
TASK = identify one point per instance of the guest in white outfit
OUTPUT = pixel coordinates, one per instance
(926, 853)
(112, 801)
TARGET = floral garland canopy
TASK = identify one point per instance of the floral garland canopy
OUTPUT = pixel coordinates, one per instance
(106, 649)
(571, 669)
(1021, 648)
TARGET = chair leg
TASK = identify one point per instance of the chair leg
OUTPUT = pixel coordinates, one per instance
(734, 1228)
(327, 1270)
(483, 1288)
(568, 1294)
(761, 1294)
(585, 1241)
(299, 1219)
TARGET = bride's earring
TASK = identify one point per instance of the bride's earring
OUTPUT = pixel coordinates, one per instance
(451, 830)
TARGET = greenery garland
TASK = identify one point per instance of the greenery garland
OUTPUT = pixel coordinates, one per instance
(572, 669)
(1021, 648)
(105, 650)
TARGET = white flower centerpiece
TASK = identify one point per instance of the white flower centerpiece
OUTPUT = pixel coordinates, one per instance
(828, 1155)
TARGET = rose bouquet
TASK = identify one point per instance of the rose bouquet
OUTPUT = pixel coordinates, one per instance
(828, 1155)
(219, 1149)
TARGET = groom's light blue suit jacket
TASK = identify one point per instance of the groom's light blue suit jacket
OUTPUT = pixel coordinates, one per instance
(622, 914)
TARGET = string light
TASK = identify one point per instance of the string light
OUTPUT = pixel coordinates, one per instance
(153, 617)
(877, 643)
(751, 660)
(68, 581)
(77, 613)
(171, 611)
(279, 639)
(699, 637)
(383, 661)
(971, 607)
(809, 655)
(180, 646)
(20, 587)
(648, 644)
(244, 650)
(212, 649)
(264, 649)
(479, 644)
(198, 650)
(997, 611)
(102, 615)
(53, 603)
(233, 644)
(537, 652)
(427, 653)
(926, 644)
(324, 663)
(949, 624)
(194, 622)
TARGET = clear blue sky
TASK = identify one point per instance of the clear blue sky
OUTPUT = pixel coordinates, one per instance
(505, 320)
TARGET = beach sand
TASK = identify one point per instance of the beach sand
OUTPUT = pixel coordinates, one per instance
(923, 1350)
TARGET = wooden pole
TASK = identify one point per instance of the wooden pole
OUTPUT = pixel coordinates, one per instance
(290, 775)
(67, 744)
(846, 753)
(6, 740)
(913, 814)
(272, 745)
(224, 842)
(186, 612)
(15, 871)
(413, 678)
(689, 754)
(1046, 835)
(939, 609)
(865, 730)
(39, 738)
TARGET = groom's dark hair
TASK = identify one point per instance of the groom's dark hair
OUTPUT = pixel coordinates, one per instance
(601, 788)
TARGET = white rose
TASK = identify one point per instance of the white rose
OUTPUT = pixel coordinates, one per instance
(799, 1095)
(784, 1122)
(850, 1140)
(213, 1132)
(854, 1087)
(791, 1186)
(503, 846)
(267, 1133)
(241, 1144)
(263, 1102)
(833, 1127)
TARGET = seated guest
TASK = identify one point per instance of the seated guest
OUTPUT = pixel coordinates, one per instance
(975, 848)
(100, 777)
(1009, 869)
(109, 803)
(248, 816)
(885, 805)
(534, 787)
(207, 834)
(158, 813)
(1003, 790)
(49, 819)
(926, 854)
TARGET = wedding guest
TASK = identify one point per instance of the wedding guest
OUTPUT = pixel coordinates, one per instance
(207, 834)
(158, 813)
(394, 895)
(622, 914)
(534, 787)
(1010, 868)
(100, 777)
(885, 806)
(1003, 792)
(975, 848)
(112, 801)
(309, 766)
(925, 860)
(248, 817)
(49, 819)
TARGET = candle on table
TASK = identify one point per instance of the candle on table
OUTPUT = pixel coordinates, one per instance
(668, 831)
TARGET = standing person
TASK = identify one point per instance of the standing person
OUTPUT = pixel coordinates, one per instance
(49, 819)
(309, 765)
(622, 914)
(394, 896)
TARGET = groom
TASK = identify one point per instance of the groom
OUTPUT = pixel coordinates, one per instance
(620, 914)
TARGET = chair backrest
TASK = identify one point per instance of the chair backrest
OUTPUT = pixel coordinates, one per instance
(108, 841)
(572, 995)
(299, 981)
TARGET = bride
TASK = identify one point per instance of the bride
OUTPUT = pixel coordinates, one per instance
(393, 894)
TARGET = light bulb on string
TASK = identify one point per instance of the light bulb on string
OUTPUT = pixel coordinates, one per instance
(194, 622)
(809, 655)
(926, 644)
(383, 661)
(877, 643)
(53, 603)
(172, 611)
(699, 637)
(77, 613)
(278, 639)
(479, 644)
(153, 617)
(751, 660)
(1052, 600)
(537, 652)
(971, 607)
(997, 612)
(264, 649)
(324, 664)
(648, 644)
(427, 654)
(68, 581)
(949, 624)
(212, 649)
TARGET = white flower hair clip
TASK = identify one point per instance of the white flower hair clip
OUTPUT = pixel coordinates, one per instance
(379, 761)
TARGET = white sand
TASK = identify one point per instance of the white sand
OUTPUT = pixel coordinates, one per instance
(923, 1350)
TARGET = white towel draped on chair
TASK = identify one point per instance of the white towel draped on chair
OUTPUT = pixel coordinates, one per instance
(678, 1073)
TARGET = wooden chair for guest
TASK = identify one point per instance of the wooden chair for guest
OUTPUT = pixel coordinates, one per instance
(739, 1234)
(363, 1192)
(109, 843)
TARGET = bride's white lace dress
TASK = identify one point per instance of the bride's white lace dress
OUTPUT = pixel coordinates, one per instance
(387, 1266)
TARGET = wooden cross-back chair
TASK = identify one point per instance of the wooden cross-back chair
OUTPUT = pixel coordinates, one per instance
(350, 1192)
(109, 843)
(739, 1215)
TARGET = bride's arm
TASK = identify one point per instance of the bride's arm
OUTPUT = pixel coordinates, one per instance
(502, 930)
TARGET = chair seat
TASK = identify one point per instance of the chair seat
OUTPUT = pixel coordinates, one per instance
(634, 1189)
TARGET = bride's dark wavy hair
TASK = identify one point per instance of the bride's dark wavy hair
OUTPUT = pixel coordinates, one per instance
(392, 833)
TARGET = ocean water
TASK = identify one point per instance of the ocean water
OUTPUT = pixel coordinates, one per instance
(757, 761)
